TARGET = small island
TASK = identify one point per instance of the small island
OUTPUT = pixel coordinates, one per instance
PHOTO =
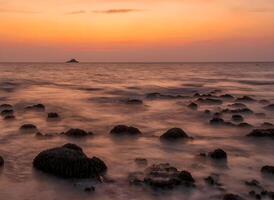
(73, 61)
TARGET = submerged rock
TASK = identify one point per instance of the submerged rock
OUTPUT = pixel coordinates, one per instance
(237, 118)
(69, 161)
(174, 134)
(218, 154)
(125, 130)
(1, 161)
(53, 115)
(268, 169)
(36, 107)
(262, 133)
(269, 107)
(232, 197)
(193, 106)
(76, 132)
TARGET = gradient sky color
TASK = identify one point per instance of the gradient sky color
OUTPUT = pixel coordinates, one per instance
(137, 30)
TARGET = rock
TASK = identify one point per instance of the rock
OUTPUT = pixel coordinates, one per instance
(53, 115)
(123, 130)
(237, 105)
(153, 95)
(267, 125)
(262, 133)
(246, 111)
(90, 189)
(9, 117)
(47, 135)
(36, 107)
(174, 134)
(216, 121)
(7, 112)
(141, 161)
(76, 132)
(253, 183)
(207, 112)
(69, 161)
(263, 101)
(218, 154)
(269, 107)
(166, 177)
(157, 95)
(73, 61)
(227, 96)
(232, 197)
(28, 128)
(210, 101)
(134, 101)
(245, 125)
(193, 106)
(1, 161)
(268, 169)
(260, 115)
(136, 178)
(210, 180)
(6, 107)
(245, 99)
(237, 118)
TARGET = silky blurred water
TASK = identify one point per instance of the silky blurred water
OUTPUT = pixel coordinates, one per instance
(91, 96)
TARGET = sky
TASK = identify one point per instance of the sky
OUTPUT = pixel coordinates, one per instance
(136, 30)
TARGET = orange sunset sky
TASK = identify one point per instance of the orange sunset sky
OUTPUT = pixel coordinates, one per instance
(137, 30)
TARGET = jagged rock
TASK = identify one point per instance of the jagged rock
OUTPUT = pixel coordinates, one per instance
(210, 101)
(253, 183)
(76, 132)
(36, 107)
(174, 134)
(69, 161)
(218, 154)
(262, 133)
(237, 118)
(232, 197)
(269, 107)
(193, 106)
(1, 161)
(53, 115)
(268, 169)
(125, 130)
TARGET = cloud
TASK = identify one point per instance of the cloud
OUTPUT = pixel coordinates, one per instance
(76, 12)
(18, 11)
(117, 11)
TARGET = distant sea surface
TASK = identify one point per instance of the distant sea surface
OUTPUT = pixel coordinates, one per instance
(94, 97)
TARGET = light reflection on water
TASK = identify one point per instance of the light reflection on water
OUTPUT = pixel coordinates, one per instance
(89, 96)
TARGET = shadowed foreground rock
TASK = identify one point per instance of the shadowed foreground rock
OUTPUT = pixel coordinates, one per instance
(262, 133)
(69, 161)
(232, 197)
(163, 176)
(76, 132)
(125, 130)
(174, 134)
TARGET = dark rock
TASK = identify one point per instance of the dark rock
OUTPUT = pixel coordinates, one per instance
(262, 133)
(245, 99)
(227, 96)
(267, 125)
(9, 117)
(237, 105)
(260, 115)
(6, 107)
(47, 135)
(253, 183)
(73, 61)
(90, 189)
(174, 134)
(210, 101)
(76, 132)
(263, 101)
(125, 130)
(53, 115)
(193, 106)
(36, 107)
(269, 107)
(69, 161)
(153, 95)
(212, 181)
(245, 125)
(28, 128)
(141, 161)
(156, 95)
(1, 161)
(207, 112)
(218, 154)
(246, 111)
(7, 112)
(237, 118)
(268, 169)
(216, 121)
(134, 101)
(232, 197)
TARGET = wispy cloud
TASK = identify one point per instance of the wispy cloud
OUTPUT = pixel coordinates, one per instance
(117, 11)
(18, 11)
(76, 12)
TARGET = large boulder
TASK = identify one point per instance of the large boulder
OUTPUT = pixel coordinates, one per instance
(76, 132)
(269, 133)
(123, 130)
(69, 161)
(174, 134)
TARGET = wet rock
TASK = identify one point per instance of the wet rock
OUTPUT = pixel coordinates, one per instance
(28, 128)
(245, 125)
(227, 96)
(267, 125)
(76, 132)
(237, 118)
(193, 106)
(9, 117)
(174, 134)
(232, 197)
(268, 169)
(245, 99)
(1, 161)
(237, 105)
(7, 112)
(53, 115)
(6, 107)
(216, 121)
(210, 101)
(166, 176)
(134, 102)
(263, 101)
(218, 154)
(141, 161)
(262, 133)
(269, 107)
(69, 161)
(156, 95)
(123, 130)
(36, 107)
(72, 61)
